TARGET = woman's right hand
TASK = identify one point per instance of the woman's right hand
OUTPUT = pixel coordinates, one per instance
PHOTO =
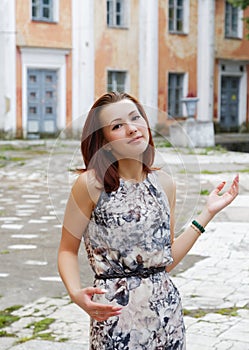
(99, 312)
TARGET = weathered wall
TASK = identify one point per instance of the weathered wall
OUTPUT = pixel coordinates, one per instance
(42, 34)
(177, 53)
(116, 48)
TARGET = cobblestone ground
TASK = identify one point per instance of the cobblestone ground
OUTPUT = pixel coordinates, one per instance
(213, 279)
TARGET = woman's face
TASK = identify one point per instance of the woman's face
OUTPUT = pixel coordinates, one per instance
(125, 130)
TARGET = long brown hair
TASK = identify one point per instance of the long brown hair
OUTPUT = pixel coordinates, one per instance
(92, 142)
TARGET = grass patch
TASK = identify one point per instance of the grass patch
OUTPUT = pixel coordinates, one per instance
(41, 326)
(6, 317)
(2, 252)
(198, 313)
(62, 340)
(209, 172)
(39, 331)
(6, 334)
(217, 148)
(162, 144)
(204, 192)
(10, 147)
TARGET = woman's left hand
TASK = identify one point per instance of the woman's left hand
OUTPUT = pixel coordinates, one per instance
(217, 202)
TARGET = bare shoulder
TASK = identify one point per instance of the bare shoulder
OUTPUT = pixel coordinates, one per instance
(86, 188)
(168, 184)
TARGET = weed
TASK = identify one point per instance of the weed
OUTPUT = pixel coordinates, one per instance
(204, 192)
(4, 252)
(6, 317)
(41, 326)
(230, 311)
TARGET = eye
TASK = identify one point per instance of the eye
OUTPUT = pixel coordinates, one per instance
(136, 117)
(117, 126)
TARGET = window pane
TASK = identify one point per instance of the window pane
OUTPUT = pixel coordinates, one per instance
(175, 93)
(45, 12)
(115, 12)
(34, 12)
(32, 110)
(32, 78)
(116, 81)
(179, 26)
(118, 6)
(231, 21)
(118, 20)
(32, 95)
(49, 78)
(49, 110)
(109, 4)
(171, 13)
(49, 94)
(42, 10)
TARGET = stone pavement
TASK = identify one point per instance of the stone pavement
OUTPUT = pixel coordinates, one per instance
(213, 279)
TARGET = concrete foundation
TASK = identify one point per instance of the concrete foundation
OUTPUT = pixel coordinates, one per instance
(192, 133)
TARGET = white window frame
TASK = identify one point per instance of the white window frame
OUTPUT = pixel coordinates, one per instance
(55, 15)
(126, 84)
(186, 14)
(239, 34)
(39, 58)
(125, 15)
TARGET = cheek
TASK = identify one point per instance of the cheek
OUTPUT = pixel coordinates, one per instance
(113, 136)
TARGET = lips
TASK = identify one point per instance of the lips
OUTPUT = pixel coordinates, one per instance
(135, 139)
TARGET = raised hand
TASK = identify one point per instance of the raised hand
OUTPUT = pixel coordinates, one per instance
(217, 202)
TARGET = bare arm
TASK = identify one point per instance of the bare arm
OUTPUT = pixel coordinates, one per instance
(82, 204)
(215, 203)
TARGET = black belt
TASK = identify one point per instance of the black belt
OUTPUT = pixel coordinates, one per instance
(143, 273)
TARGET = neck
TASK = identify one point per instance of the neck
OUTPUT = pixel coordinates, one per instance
(131, 170)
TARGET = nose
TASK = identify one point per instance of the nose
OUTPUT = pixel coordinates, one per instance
(131, 128)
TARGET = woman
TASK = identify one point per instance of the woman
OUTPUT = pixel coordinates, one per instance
(124, 210)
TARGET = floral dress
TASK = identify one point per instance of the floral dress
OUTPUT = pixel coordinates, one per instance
(128, 246)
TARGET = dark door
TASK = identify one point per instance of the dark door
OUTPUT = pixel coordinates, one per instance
(42, 101)
(229, 115)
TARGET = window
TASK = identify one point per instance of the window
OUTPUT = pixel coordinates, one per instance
(232, 21)
(116, 81)
(116, 13)
(176, 16)
(42, 10)
(175, 94)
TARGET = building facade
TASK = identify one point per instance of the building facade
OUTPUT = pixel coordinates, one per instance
(58, 56)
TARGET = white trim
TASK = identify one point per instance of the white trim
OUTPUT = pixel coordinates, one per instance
(148, 57)
(8, 67)
(205, 59)
(83, 60)
(45, 59)
(233, 69)
(186, 16)
(56, 11)
(240, 23)
(185, 92)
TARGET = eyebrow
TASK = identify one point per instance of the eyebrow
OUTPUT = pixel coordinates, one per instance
(119, 119)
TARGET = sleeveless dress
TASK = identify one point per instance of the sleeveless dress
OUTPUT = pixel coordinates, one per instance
(128, 247)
